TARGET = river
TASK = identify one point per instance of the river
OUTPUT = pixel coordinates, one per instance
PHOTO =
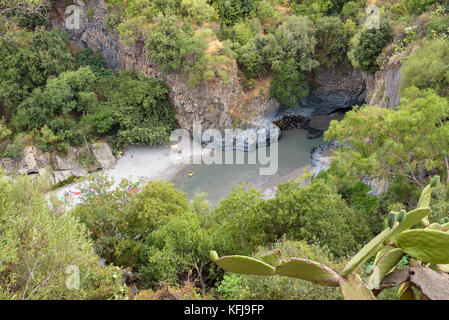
(217, 180)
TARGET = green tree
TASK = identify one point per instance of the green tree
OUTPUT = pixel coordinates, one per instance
(199, 10)
(171, 46)
(111, 218)
(289, 84)
(368, 44)
(295, 37)
(27, 60)
(137, 105)
(411, 142)
(180, 248)
(29, 14)
(158, 201)
(316, 214)
(70, 92)
(332, 38)
(237, 225)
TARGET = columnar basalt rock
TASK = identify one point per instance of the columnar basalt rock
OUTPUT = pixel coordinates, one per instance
(383, 88)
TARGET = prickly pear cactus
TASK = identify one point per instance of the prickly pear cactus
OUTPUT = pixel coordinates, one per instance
(308, 270)
(367, 251)
(384, 265)
(272, 258)
(412, 218)
(243, 265)
(425, 245)
(405, 292)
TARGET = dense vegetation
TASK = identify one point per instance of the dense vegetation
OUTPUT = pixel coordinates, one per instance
(53, 97)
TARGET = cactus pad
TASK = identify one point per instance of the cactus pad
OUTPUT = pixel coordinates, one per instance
(272, 258)
(434, 226)
(353, 288)
(308, 270)
(405, 292)
(425, 245)
(367, 251)
(381, 253)
(245, 265)
(387, 262)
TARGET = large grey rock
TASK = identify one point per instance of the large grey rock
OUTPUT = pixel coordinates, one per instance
(68, 162)
(103, 154)
(28, 163)
(262, 134)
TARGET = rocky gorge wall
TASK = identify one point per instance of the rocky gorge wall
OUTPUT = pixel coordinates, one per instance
(383, 88)
(215, 104)
(78, 162)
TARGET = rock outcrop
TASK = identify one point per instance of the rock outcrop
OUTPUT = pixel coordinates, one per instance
(383, 88)
(334, 86)
(35, 161)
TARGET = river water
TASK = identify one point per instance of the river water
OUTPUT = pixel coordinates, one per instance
(217, 180)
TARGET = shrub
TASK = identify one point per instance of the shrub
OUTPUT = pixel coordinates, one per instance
(249, 59)
(14, 149)
(198, 10)
(43, 246)
(332, 38)
(232, 10)
(96, 63)
(241, 32)
(367, 45)
(263, 10)
(417, 6)
(289, 85)
(318, 214)
(427, 67)
(437, 26)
